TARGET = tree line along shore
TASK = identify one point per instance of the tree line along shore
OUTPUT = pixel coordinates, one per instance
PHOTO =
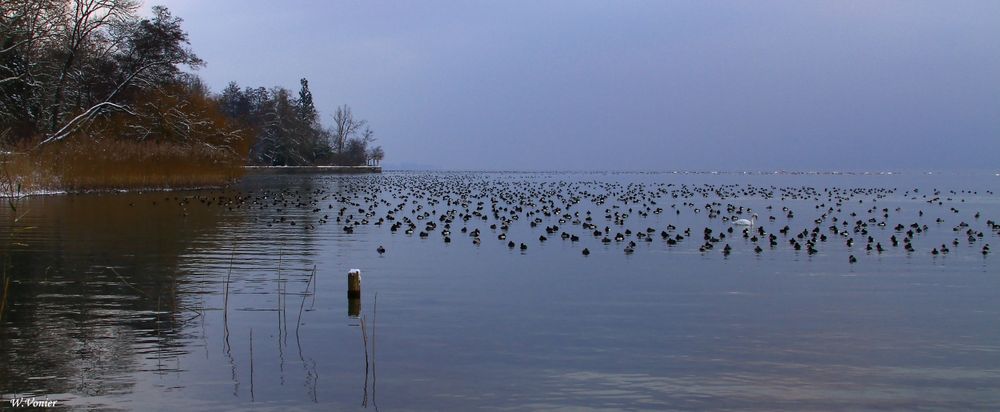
(94, 96)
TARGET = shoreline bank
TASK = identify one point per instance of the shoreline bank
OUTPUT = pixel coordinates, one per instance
(311, 169)
(248, 171)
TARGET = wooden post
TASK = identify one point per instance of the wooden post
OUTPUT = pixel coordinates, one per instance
(354, 292)
(354, 284)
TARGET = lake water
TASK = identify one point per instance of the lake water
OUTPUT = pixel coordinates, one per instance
(121, 301)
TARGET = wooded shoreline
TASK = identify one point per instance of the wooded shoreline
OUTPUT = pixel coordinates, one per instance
(95, 96)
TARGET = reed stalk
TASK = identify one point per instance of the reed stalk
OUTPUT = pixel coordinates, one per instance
(251, 365)
(374, 374)
(6, 289)
(225, 299)
(364, 341)
(303, 304)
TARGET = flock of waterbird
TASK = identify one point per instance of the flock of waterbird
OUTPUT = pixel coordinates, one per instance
(477, 207)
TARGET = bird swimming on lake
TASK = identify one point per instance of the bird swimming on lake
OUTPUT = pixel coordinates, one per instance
(744, 222)
(445, 202)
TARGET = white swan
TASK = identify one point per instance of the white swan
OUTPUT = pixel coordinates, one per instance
(744, 222)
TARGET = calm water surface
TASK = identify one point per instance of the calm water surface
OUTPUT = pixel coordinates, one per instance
(119, 301)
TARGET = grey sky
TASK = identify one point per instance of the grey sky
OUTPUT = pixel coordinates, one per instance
(632, 85)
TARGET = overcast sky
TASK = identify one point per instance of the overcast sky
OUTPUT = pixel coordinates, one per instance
(631, 85)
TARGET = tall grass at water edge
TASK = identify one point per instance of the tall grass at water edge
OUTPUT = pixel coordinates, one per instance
(111, 164)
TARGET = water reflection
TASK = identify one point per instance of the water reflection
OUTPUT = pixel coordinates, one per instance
(107, 286)
(95, 286)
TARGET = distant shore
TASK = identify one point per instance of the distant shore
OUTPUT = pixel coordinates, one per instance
(253, 170)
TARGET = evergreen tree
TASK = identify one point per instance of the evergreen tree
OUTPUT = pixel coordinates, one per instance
(306, 108)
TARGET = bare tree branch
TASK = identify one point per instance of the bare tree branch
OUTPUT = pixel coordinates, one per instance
(79, 120)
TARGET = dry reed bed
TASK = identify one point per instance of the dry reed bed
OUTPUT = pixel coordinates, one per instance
(118, 165)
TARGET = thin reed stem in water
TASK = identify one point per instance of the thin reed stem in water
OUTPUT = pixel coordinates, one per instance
(3, 299)
(364, 341)
(225, 299)
(312, 304)
(303, 304)
(374, 374)
(280, 256)
(251, 365)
